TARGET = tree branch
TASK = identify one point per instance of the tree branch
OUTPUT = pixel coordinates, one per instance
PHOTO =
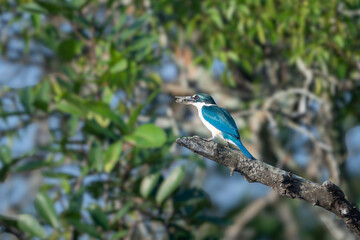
(327, 195)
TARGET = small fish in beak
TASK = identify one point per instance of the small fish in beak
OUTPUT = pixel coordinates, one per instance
(184, 100)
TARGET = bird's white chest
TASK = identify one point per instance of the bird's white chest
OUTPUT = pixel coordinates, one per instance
(214, 131)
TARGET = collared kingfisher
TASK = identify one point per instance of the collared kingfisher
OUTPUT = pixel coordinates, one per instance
(216, 119)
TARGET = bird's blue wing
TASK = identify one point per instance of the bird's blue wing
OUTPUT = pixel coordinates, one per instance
(220, 119)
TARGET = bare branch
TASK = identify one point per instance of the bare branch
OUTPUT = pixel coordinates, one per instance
(328, 195)
(234, 231)
(285, 94)
(337, 230)
(348, 13)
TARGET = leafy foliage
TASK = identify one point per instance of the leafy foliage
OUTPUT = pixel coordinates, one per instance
(100, 78)
(95, 61)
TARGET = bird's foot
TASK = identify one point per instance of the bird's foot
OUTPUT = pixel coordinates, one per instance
(229, 145)
(232, 169)
(209, 139)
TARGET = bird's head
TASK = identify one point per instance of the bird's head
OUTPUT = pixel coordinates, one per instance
(196, 98)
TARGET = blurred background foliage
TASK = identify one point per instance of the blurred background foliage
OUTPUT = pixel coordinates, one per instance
(88, 122)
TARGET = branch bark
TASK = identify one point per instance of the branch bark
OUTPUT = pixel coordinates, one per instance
(327, 195)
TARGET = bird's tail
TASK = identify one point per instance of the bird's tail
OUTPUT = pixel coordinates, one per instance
(241, 146)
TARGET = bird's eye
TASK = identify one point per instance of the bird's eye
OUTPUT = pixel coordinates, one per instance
(196, 97)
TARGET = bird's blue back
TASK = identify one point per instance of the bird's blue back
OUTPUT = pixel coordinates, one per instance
(222, 120)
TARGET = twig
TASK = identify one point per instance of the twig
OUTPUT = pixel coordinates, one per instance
(307, 133)
(291, 230)
(348, 13)
(234, 231)
(284, 94)
(309, 76)
(328, 195)
(336, 229)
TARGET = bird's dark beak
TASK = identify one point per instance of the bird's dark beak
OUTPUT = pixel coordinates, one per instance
(184, 100)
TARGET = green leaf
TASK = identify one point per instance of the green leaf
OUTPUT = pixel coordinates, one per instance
(29, 166)
(9, 221)
(72, 125)
(32, 8)
(60, 175)
(45, 208)
(215, 16)
(119, 235)
(30, 225)
(318, 86)
(144, 42)
(65, 106)
(121, 213)
(80, 3)
(94, 128)
(43, 96)
(5, 155)
(84, 228)
(66, 186)
(190, 196)
(107, 96)
(27, 99)
(136, 112)
(147, 136)
(57, 7)
(119, 66)
(230, 10)
(112, 155)
(181, 233)
(243, 9)
(95, 157)
(67, 50)
(170, 184)
(76, 202)
(148, 184)
(233, 56)
(98, 216)
(338, 39)
(4, 171)
(104, 110)
(260, 32)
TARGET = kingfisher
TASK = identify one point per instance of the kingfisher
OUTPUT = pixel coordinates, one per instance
(219, 121)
